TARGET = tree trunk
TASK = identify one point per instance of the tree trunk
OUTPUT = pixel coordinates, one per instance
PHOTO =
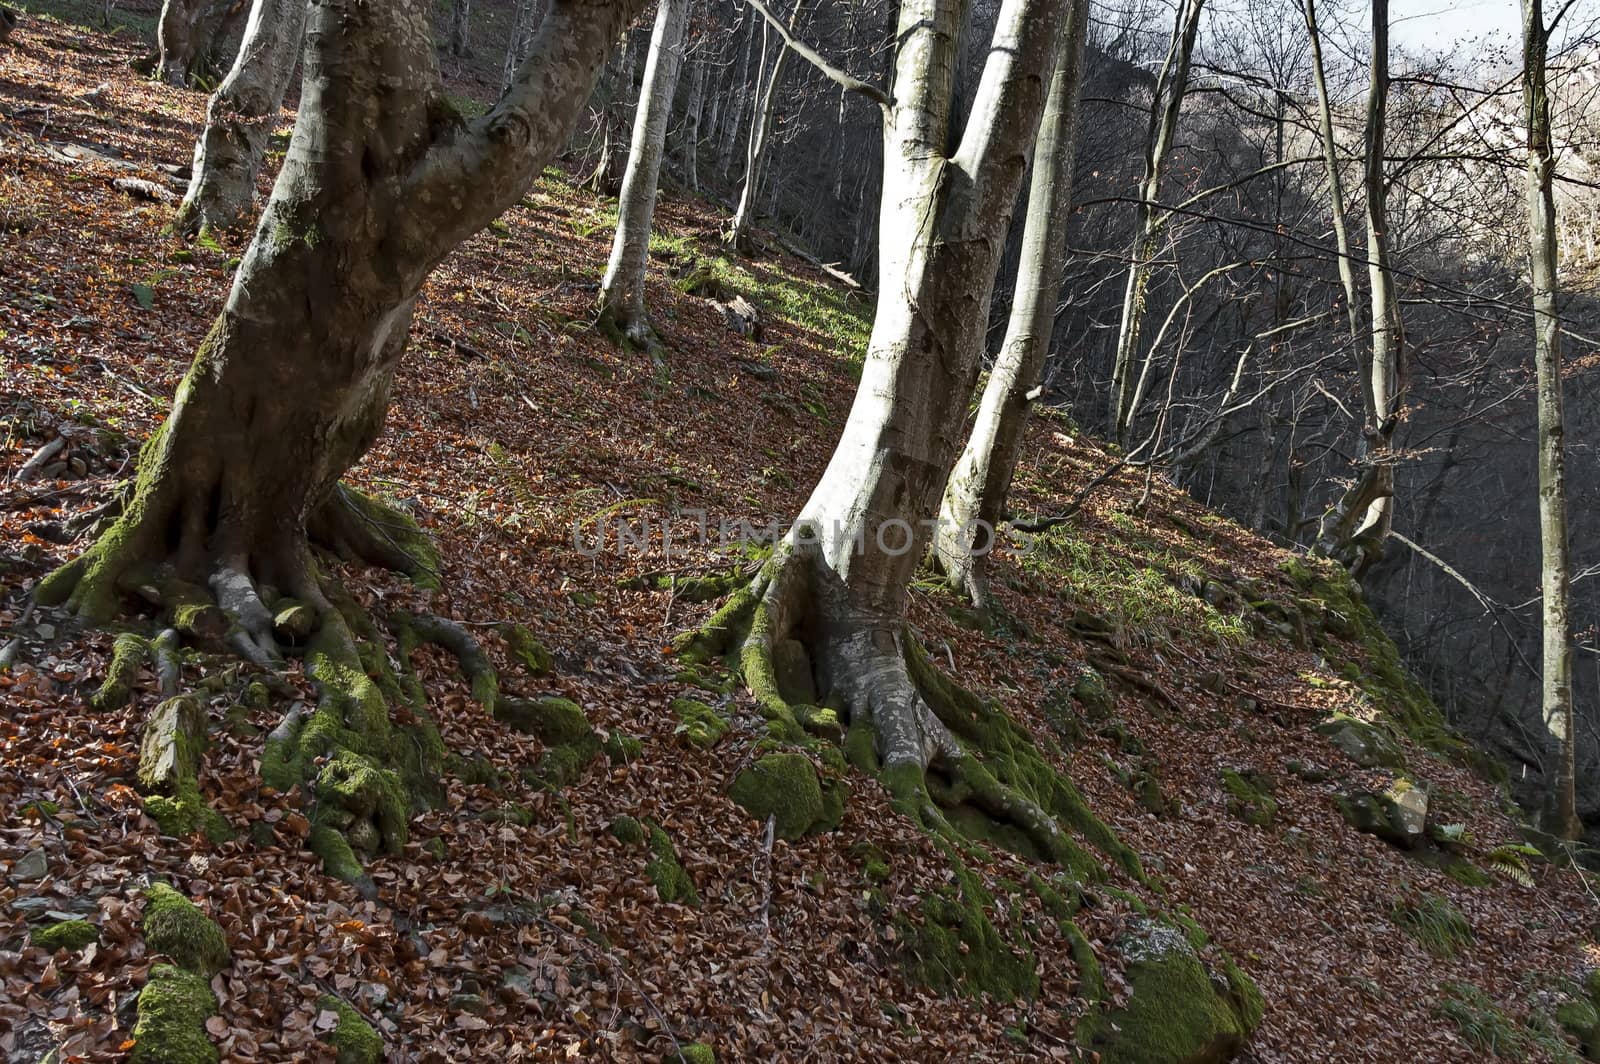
(1556, 570)
(691, 123)
(622, 289)
(228, 155)
(1330, 154)
(381, 181)
(460, 27)
(834, 593)
(524, 22)
(768, 80)
(975, 497)
(740, 95)
(1355, 527)
(1166, 105)
(176, 39)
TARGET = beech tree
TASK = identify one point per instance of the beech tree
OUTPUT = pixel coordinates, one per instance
(383, 178)
(622, 289)
(184, 35)
(227, 157)
(768, 80)
(973, 507)
(824, 621)
(1556, 567)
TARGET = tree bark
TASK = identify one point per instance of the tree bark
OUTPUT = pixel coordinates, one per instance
(381, 181)
(837, 585)
(228, 155)
(974, 498)
(524, 21)
(1166, 106)
(1336, 197)
(1355, 527)
(768, 79)
(691, 122)
(1556, 569)
(460, 27)
(622, 289)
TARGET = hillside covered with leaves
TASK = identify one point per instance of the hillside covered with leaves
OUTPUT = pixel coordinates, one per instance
(1279, 849)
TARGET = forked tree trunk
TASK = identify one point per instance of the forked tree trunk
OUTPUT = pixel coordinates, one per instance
(833, 597)
(1556, 569)
(381, 181)
(768, 80)
(975, 496)
(622, 289)
(228, 155)
(1355, 527)
(1166, 106)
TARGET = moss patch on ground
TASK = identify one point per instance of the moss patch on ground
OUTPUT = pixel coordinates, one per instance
(64, 934)
(172, 1011)
(353, 1039)
(787, 787)
(175, 926)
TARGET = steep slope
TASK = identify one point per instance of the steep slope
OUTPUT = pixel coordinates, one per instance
(623, 905)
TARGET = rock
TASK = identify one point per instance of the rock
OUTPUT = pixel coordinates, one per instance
(45, 631)
(1363, 743)
(170, 749)
(472, 1003)
(1397, 814)
(786, 786)
(32, 866)
(516, 983)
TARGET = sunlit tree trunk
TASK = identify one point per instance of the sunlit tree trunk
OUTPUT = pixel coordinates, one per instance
(228, 155)
(622, 289)
(975, 496)
(768, 81)
(1166, 106)
(1556, 560)
(1336, 197)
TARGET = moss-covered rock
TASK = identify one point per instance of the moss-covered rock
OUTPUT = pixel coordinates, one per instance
(64, 934)
(786, 786)
(1249, 797)
(698, 723)
(1366, 745)
(951, 944)
(1177, 1013)
(693, 1053)
(560, 724)
(671, 881)
(628, 830)
(172, 744)
(172, 1011)
(353, 1039)
(127, 654)
(1397, 814)
(364, 801)
(175, 926)
(528, 650)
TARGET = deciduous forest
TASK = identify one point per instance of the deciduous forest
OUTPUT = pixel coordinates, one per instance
(799, 530)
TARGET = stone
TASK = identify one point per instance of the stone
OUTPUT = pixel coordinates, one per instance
(1363, 743)
(30, 867)
(1398, 814)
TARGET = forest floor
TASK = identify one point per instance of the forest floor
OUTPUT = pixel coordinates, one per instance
(514, 422)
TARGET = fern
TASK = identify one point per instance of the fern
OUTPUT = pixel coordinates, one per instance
(1511, 861)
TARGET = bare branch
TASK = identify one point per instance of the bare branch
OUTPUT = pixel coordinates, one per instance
(848, 82)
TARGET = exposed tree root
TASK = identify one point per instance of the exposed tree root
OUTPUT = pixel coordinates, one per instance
(956, 765)
(631, 331)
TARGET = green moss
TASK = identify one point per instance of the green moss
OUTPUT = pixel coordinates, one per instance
(623, 749)
(951, 944)
(695, 1053)
(353, 1038)
(528, 650)
(65, 934)
(1249, 797)
(174, 925)
(786, 786)
(184, 812)
(672, 882)
(553, 721)
(401, 533)
(628, 830)
(1466, 873)
(1175, 1011)
(698, 723)
(127, 654)
(339, 858)
(364, 801)
(172, 1011)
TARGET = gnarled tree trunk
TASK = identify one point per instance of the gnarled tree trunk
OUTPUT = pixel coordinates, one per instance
(228, 155)
(974, 498)
(622, 289)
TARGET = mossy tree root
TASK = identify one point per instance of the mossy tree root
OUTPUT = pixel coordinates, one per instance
(951, 762)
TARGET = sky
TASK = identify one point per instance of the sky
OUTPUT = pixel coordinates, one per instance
(1439, 23)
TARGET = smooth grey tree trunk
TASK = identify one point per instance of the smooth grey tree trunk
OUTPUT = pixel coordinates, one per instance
(622, 289)
(1166, 106)
(768, 80)
(834, 593)
(1354, 529)
(1556, 567)
(1336, 196)
(974, 501)
(524, 21)
(741, 96)
(691, 122)
(460, 27)
(228, 154)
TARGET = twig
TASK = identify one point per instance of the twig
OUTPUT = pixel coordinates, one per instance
(766, 876)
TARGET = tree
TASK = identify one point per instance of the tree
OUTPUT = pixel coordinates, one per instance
(460, 27)
(383, 179)
(1330, 155)
(227, 156)
(524, 20)
(974, 499)
(828, 607)
(1556, 567)
(1166, 105)
(184, 35)
(1354, 528)
(622, 289)
(768, 80)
